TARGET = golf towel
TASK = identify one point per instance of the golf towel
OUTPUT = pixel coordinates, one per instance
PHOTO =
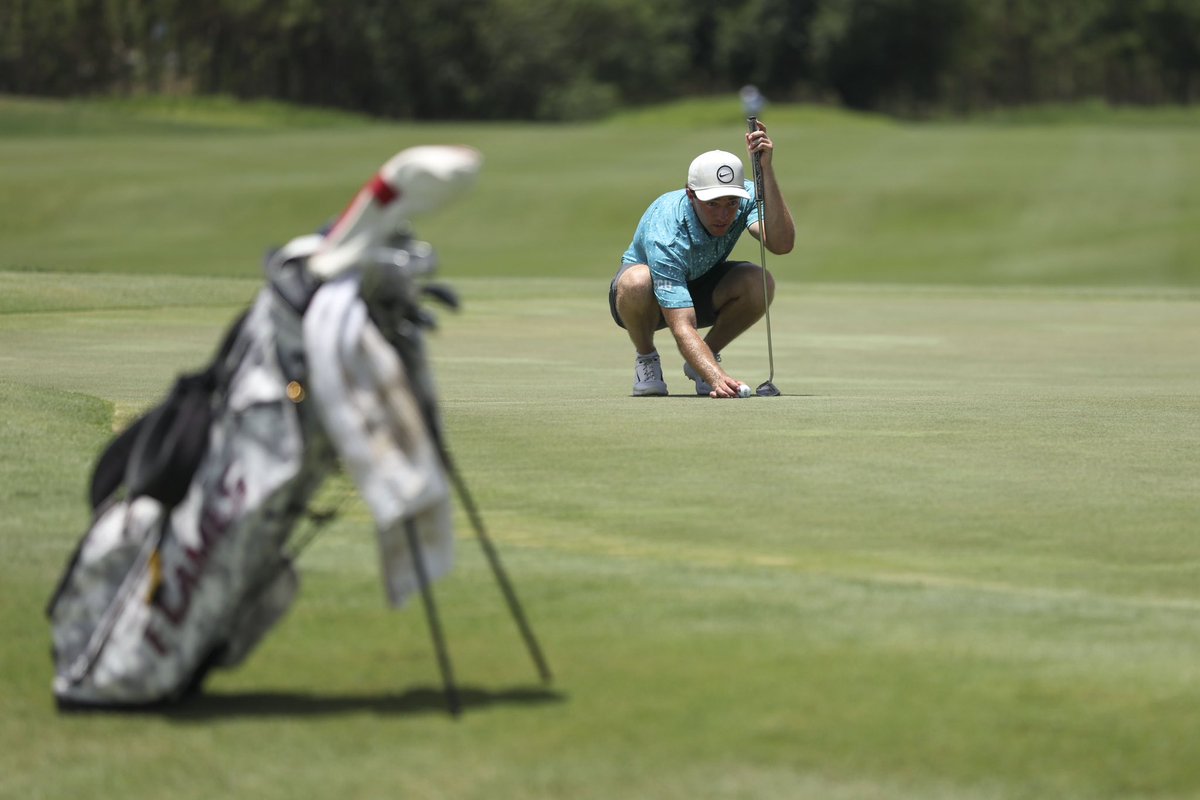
(365, 401)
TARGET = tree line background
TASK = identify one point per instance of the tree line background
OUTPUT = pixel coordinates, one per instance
(582, 59)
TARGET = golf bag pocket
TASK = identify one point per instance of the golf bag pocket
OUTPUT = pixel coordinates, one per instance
(114, 563)
(259, 613)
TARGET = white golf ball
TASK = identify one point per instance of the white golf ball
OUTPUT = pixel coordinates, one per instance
(743, 390)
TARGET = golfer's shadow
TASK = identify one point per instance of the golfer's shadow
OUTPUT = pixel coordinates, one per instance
(418, 700)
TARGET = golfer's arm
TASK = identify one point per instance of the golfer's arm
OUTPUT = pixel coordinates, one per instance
(682, 322)
(780, 228)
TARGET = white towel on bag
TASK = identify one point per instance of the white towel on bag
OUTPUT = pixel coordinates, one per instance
(361, 391)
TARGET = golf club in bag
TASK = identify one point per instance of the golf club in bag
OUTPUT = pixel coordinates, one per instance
(189, 559)
(767, 388)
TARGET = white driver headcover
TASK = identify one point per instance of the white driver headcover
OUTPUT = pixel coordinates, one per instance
(412, 182)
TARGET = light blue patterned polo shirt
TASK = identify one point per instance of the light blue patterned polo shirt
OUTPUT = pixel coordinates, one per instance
(671, 240)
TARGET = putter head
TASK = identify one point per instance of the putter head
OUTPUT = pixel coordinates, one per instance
(767, 389)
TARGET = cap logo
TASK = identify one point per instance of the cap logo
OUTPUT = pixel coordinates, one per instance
(725, 173)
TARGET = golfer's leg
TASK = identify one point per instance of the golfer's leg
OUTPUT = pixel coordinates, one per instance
(637, 306)
(738, 300)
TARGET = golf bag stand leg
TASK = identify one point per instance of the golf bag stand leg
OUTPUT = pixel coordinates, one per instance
(435, 628)
(493, 557)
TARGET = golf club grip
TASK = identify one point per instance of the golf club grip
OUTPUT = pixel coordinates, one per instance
(759, 200)
(752, 126)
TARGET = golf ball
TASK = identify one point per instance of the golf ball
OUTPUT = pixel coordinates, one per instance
(743, 390)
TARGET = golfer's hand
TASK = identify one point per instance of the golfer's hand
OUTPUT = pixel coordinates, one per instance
(758, 142)
(724, 388)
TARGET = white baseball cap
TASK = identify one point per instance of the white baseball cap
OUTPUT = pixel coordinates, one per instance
(717, 174)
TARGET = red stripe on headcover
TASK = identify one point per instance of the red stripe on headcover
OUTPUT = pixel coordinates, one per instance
(336, 228)
(382, 191)
(378, 189)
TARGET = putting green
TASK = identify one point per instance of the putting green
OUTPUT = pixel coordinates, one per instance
(956, 560)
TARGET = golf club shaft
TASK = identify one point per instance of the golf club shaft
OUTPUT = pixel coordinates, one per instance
(752, 123)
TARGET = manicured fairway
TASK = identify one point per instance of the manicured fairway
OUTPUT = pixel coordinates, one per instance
(956, 560)
(158, 191)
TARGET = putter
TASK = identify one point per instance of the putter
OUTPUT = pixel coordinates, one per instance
(767, 388)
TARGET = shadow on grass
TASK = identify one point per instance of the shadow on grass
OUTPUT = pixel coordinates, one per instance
(420, 700)
(693, 396)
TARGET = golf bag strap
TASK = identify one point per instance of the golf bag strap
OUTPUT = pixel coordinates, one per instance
(172, 441)
(161, 428)
(109, 472)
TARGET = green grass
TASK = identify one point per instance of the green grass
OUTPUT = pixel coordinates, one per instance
(957, 560)
(205, 191)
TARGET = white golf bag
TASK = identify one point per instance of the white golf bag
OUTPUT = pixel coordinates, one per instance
(185, 566)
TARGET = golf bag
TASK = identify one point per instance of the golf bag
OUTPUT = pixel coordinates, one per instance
(186, 564)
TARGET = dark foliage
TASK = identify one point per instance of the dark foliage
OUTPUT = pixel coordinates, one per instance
(579, 59)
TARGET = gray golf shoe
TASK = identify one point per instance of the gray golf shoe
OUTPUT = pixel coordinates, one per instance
(647, 376)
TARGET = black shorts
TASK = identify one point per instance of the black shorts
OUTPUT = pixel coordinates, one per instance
(700, 289)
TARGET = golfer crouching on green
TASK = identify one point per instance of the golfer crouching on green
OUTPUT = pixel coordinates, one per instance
(676, 273)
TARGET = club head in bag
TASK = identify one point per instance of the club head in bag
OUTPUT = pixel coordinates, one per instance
(767, 389)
